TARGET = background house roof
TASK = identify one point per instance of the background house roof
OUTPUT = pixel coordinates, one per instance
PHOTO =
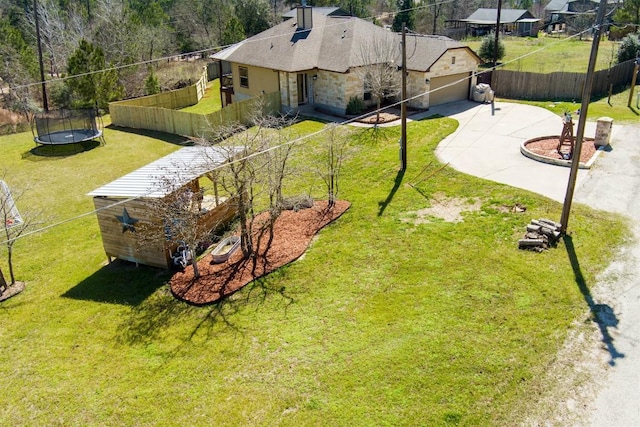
(333, 44)
(490, 16)
(164, 176)
(327, 11)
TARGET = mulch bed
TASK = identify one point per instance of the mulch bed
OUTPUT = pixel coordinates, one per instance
(384, 118)
(548, 147)
(293, 232)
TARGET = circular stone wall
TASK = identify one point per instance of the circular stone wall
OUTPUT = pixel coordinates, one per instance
(544, 149)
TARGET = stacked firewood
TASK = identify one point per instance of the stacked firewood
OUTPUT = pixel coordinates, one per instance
(541, 234)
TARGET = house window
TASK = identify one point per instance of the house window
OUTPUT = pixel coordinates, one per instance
(453, 60)
(244, 76)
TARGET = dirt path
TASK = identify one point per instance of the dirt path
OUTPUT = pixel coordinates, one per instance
(596, 377)
(614, 185)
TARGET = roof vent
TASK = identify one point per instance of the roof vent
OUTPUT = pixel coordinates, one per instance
(305, 20)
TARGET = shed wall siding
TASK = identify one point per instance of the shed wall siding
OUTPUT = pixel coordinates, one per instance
(155, 252)
(124, 244)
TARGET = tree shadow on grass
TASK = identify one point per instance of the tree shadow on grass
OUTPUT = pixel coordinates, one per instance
(603, 314)
(119, 282)
(162, 310)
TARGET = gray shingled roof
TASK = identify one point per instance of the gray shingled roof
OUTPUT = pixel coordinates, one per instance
(165, 175)
(333, 44)
(327, 11)
(556, 5)
(490, 16)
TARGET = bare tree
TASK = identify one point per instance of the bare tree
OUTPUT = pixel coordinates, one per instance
(328, 157)
(256, 176)
(60, 32)
(379, 73)
(14, 224)
(179, 220)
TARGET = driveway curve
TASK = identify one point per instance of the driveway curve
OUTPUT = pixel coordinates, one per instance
(487, 144)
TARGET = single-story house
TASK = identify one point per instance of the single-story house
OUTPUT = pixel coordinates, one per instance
(123, 207)
(559, 13)
(312, 60)
(512, 21)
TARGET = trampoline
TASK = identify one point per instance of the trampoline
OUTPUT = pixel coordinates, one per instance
(63, 127)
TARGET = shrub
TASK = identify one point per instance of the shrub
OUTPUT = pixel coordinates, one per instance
(151, 85)
(487, 48)
(355, 105)
(629, 48)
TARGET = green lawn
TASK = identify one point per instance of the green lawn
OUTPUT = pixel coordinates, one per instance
(384, 321)
(556, 54)
(614, 107)
(210, 102)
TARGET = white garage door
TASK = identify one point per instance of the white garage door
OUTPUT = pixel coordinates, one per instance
(455, 92)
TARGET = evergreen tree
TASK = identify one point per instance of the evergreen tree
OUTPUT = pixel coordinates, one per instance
(233, 32)
(406, 13)
(488, 46)
(151, 85)
(629, 48)
(94, 85)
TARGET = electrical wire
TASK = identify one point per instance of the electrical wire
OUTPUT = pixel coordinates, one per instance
(302, 138)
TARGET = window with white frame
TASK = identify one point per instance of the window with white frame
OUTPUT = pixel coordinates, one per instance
(244, 76)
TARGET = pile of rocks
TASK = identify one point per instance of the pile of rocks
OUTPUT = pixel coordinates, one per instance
(541, 234)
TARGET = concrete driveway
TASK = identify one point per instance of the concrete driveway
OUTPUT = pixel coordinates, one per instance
(487, 145)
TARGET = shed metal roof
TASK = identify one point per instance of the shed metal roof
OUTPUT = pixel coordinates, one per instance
(163, 176)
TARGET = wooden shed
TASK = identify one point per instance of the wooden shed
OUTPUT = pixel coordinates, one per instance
(124, 204)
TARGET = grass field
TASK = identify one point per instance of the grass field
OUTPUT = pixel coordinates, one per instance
(210, 102)
(385, 320)
(615, 107)
(549, 54)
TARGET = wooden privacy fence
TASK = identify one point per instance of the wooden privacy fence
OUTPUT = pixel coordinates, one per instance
(557, 86)
(190, 124)
(175, 99)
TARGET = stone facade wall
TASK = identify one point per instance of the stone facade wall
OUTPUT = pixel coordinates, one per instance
(416, 84)
(288, 90)
(329, 91)
(454, 61)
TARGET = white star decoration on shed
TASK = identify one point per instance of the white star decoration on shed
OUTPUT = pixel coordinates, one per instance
(128, 223)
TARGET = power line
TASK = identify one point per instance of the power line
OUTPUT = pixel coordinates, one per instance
(303, 138)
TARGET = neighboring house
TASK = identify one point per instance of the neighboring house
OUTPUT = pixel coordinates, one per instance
(313, 58)
(557, 13)
(122, 206)
(518, 22)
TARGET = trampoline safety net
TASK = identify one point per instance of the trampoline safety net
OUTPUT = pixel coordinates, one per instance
(66, 126)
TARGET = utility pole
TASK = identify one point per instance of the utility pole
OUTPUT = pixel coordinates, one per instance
(45, 103)
(586, 96)
(495, 46)
(636, 67)
(403, 105)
